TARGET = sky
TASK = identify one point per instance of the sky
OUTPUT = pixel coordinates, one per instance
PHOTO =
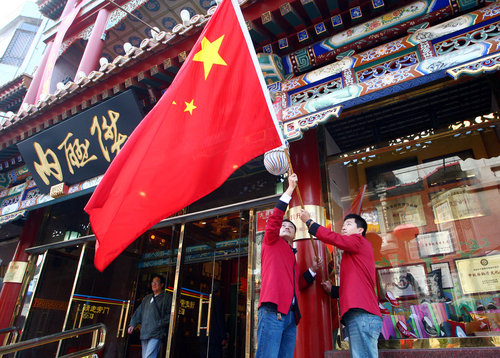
(11, 9)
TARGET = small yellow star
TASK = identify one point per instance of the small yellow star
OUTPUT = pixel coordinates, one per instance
(190, 106)
(209, 54)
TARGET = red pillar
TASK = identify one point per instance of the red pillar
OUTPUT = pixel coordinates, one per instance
(33, 90)
(30, 97)
(95, 44)
(10, 291)
(314, 333)
(70, 4)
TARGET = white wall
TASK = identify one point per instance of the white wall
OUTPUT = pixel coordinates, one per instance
(28, 13)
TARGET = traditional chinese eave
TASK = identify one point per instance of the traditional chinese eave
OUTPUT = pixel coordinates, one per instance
(162, 54)
(85, 18)
(51, 8)
(148, 67)
(13, 92)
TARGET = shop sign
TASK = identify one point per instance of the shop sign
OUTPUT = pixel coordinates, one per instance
(434, 243)
(185, 305)
(479, 274)
(89, 311)
(15, 272)
(83, 146)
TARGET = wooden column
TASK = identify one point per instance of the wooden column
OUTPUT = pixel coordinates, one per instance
(314, 332)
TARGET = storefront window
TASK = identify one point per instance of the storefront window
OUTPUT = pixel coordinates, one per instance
(432, 208)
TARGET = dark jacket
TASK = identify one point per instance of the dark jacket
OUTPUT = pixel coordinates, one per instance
(154, 316)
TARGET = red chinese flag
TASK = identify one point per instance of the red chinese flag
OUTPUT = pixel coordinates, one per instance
(214, 117)
(357, 202)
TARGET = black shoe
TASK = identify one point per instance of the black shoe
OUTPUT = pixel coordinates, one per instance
(491, 306)
(445, 328)
(428, 327)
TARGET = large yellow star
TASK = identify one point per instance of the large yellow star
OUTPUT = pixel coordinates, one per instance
(209, 54)
(190, 106)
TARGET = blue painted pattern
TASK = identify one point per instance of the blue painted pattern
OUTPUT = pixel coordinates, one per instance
(355, 12)
(168, 22)
(320, 28)
(134, 41)
(119, 49)
(303, 35)
(336, 20)
(136, 14)
(152, 5)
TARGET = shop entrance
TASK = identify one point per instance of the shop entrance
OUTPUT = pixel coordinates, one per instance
(67, 292)
(101, 298)
(210, 315)
(47, 297)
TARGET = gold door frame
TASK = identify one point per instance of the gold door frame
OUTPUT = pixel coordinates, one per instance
(75, 280)
(250, 283)
(250, 206)
(38, 263)
(176, 292)
(250, 287)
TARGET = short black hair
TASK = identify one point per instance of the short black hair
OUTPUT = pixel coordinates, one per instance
(295, 227)
(360, 222)
(162, 279)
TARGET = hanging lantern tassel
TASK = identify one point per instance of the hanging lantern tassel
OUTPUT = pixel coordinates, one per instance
(275, 161)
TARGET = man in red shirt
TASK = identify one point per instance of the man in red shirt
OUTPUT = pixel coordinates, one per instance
(278, 306)
(359, 310)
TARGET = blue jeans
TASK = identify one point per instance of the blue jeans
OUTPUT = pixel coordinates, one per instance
(150, 347)
(275, 338)
(363, 330)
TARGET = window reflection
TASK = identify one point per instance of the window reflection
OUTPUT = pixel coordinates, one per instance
(432, 221)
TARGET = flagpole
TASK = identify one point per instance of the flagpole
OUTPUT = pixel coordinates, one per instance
(302, 206)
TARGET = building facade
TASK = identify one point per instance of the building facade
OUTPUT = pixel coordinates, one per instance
(391, 110)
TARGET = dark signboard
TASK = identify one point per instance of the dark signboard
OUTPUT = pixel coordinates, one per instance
(82, 146)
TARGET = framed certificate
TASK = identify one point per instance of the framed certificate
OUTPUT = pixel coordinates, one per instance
(405, 210)
(479, 274)
(434, 243)
(456, 204)
(403, 282)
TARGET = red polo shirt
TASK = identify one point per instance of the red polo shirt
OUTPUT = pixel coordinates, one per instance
(280, 277)
(357, 270)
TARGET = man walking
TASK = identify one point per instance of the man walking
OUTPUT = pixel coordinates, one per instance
(153, 314)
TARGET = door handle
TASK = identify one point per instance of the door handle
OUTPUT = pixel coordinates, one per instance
(120, 321)
(200, 313)
(127, 310)
(209, 316)
(81, 316)
(76, 315)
